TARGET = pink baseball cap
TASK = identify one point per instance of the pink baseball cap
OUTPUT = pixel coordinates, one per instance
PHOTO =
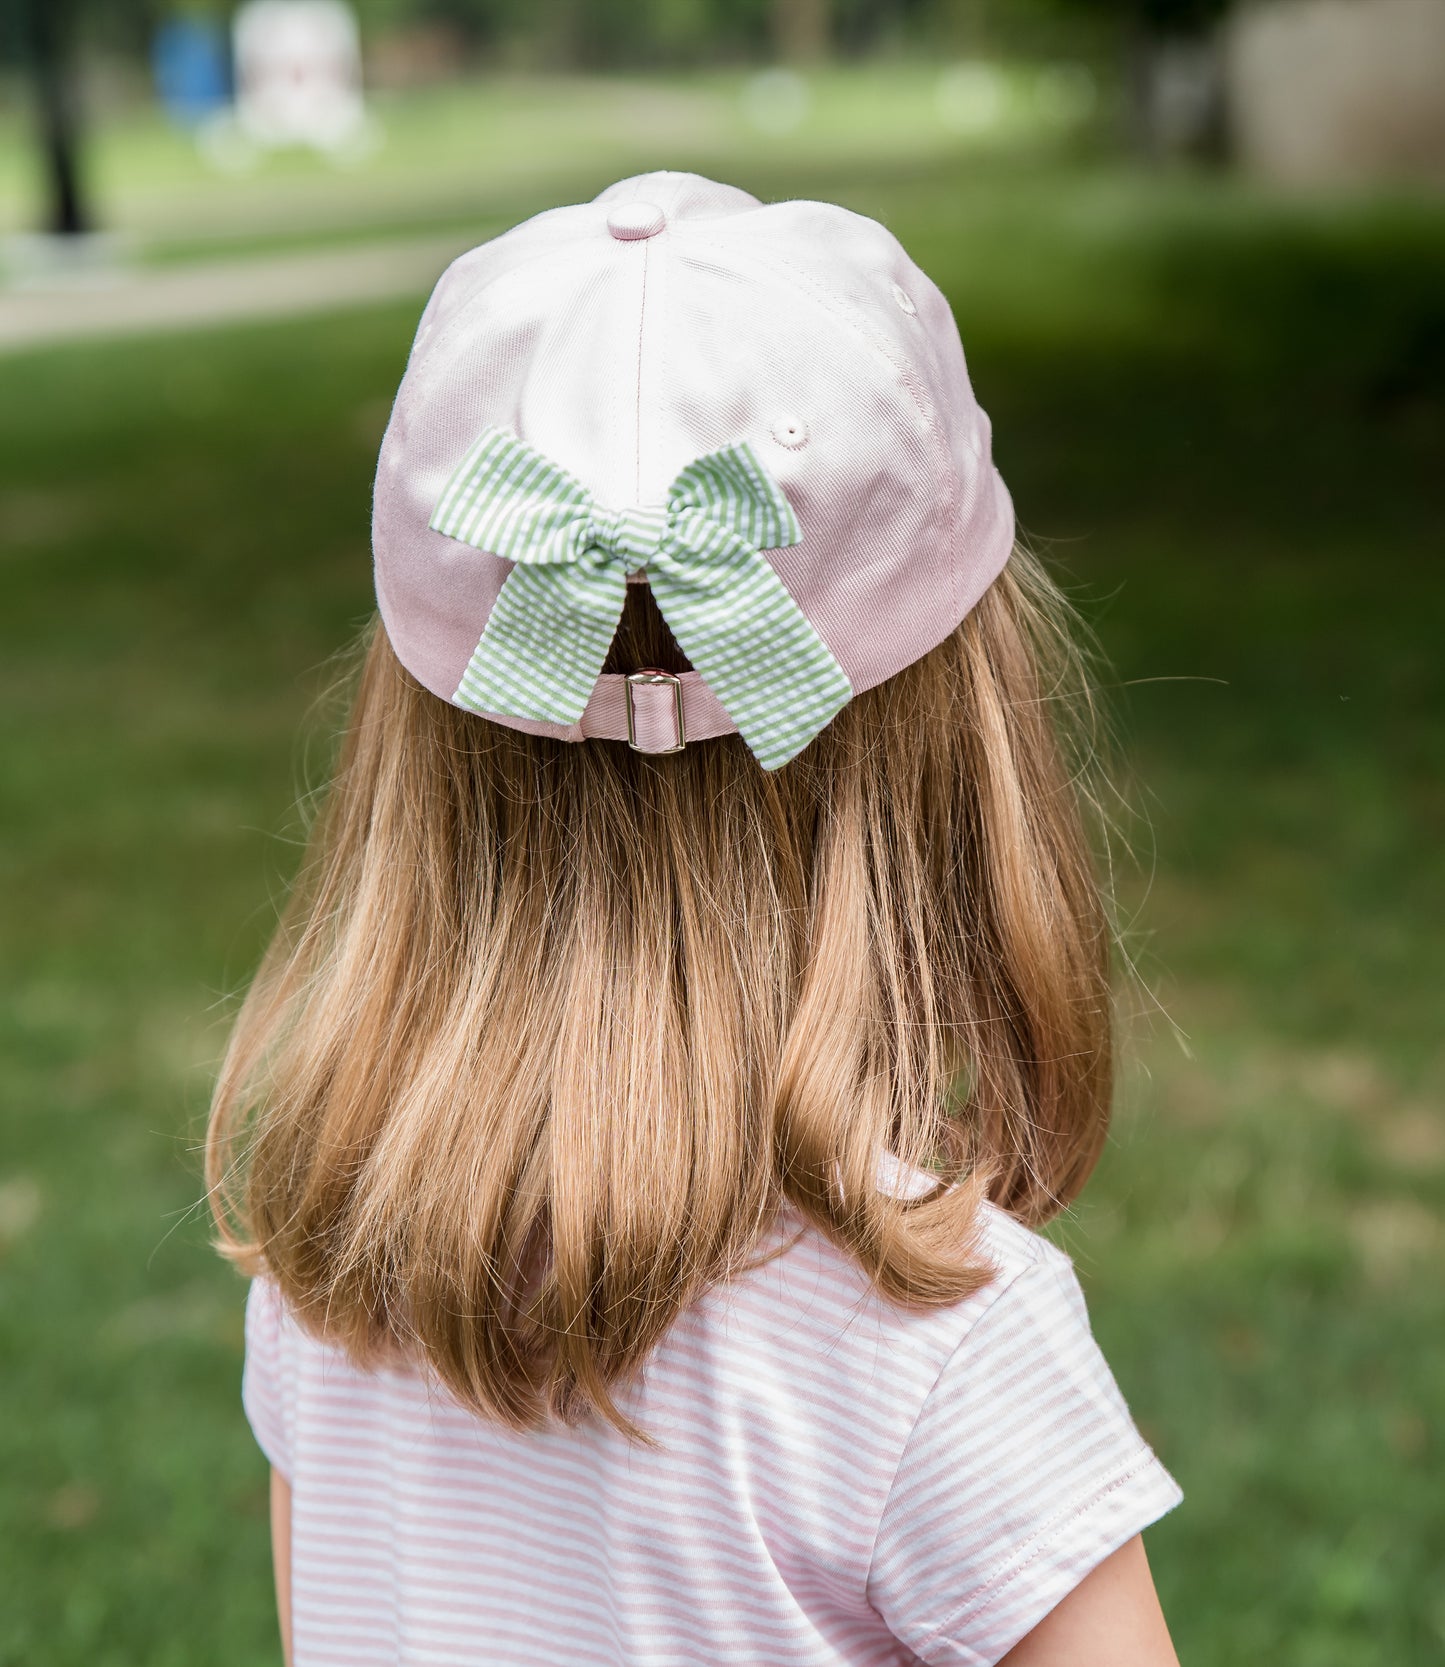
(761, 409)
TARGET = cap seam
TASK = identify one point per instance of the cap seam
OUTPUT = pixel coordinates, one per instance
(637, 405)
(443, 333)
(855, 321)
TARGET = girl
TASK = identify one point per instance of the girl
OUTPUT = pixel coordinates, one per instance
(696, 993)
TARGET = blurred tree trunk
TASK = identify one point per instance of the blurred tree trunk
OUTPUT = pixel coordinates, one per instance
(963, 27)
(47, 40)
(802, 29)
(563, 35)
(1175, 85)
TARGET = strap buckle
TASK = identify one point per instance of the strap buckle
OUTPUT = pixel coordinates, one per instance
(658, 712)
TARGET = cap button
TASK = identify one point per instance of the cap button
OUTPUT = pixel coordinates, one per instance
(633, 220)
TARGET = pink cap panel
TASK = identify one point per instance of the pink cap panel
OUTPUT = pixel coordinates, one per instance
(627, 337)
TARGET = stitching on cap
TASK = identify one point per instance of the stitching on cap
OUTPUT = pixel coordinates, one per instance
(851, 318)
(442, 336)
(637, 408)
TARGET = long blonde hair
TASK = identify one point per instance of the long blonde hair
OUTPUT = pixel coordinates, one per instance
(550, 1034)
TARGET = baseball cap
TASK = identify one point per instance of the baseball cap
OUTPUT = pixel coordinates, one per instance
(761, 410)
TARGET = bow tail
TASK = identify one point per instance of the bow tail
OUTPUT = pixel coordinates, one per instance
(734, 619)
(545, 642)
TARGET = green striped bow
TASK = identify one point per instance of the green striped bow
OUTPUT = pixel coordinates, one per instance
(553, 622)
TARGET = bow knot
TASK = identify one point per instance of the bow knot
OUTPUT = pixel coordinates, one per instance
(629, 536)
(550, 628)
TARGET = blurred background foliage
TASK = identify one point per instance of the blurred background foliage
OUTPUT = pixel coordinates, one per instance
(1220, 406)
(571, 34)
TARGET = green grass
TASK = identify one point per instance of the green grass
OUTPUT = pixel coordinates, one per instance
(1225, 418)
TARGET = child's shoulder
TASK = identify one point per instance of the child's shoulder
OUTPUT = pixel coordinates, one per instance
(1016, 1251)
(806, 1321)
(813, 1299)
(1013, 1247)
(1001, 1241)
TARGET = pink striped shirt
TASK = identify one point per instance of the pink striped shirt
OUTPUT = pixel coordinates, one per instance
(838, 1483)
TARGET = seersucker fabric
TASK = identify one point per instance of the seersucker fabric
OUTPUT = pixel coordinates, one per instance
(548, 634)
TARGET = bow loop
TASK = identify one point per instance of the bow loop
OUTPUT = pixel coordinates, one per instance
(730, 489)
(549, 631)
(512, 502)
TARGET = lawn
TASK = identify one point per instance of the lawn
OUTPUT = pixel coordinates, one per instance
(1224, 418)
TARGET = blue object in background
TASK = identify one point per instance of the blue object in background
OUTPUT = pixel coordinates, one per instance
(192, 69)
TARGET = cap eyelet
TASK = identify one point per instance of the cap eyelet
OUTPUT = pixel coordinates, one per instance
(791, 433)
(904, 300)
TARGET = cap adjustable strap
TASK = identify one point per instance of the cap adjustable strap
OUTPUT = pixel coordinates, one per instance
(656, 720)
(654, 712)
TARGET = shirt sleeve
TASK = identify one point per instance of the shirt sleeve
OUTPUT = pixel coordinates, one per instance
(1023, 1471)
(267, 1382)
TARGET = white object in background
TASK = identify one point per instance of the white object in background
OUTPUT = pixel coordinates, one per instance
(298, 76)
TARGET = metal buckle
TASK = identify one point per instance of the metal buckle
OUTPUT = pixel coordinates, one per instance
(652, 677)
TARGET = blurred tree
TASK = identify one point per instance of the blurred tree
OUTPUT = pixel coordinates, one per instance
(1173, 72)
(802, 29)
(129, 25)
(44, 37)
(1170, 17)
(601, 34)
(48, 39)
(592, 33)
(606, 33)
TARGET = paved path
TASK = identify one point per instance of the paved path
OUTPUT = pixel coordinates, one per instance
(130, 302)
